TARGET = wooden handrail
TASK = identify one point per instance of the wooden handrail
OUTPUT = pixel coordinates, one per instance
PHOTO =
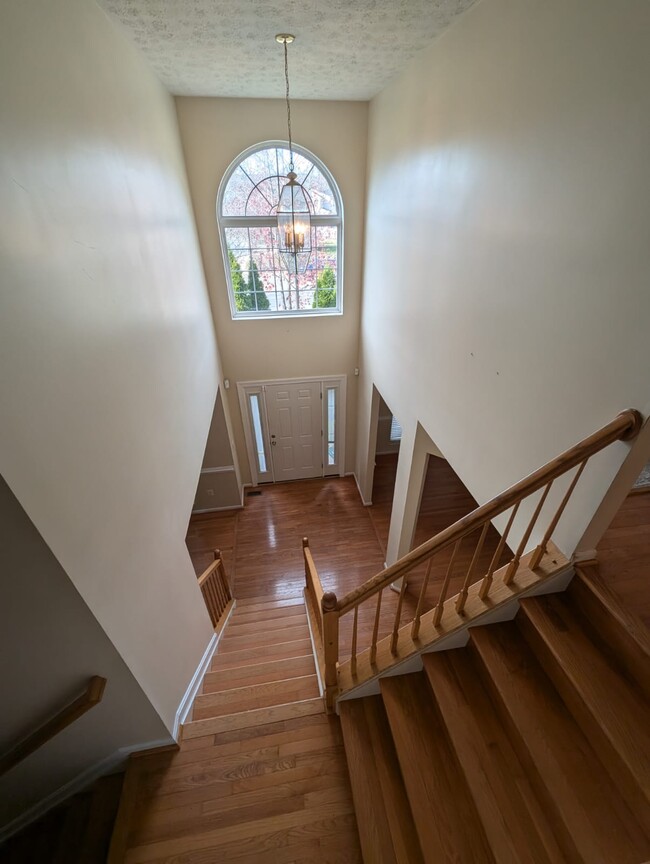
(216, 591)
(312, 581)
(91, 696)
(623, 428)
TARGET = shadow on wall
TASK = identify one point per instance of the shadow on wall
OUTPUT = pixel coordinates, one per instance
(219, 486)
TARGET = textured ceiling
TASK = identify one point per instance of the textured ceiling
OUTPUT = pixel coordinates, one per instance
(344, 49)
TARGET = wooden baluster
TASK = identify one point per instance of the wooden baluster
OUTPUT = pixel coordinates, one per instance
(398, 615)
(462, 597)
(418, 611)
(375, 629)
(217, 602)
(214, 578)
(218, 593)
(223, 576)
(486, 584)
(514, 564)
(353, 652)
(225, 585)
(305, 545)
(207, 597)
(330, 647)
(541, 549)
(437, 615)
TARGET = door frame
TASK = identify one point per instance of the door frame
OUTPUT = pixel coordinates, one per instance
(337, 382)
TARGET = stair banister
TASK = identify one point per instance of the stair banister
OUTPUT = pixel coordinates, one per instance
(216, 590)
(91, 696)
(624, 427)
(479, 591)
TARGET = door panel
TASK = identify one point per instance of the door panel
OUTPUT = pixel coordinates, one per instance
(294, 413)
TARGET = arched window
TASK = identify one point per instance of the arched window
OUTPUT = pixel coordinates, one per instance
(259, 282)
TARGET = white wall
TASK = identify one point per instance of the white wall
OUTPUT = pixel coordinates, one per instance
(214, 132)
(50, 646)
(506, 300)
(108, 365)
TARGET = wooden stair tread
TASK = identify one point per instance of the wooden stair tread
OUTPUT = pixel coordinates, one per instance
(258, 673)
(592, 822)
(255, 629)
(244, 616)
(447, 823)
(614, 628)
(514, 821)
(255, 696)
(254, 717)
(258, 653)
(261, 638)
(256, 604)
(602, 701)
(372, 819)
(384, 819)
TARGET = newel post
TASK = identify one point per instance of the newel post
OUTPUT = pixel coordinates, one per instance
(330, 647)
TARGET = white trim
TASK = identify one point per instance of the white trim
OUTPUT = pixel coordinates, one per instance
(338, 383)
(187, 701)
(321, 688)
(108, 765)
(220, 469)
(239, 506)
(306, 378)
(246, 388)
(335, 220)
(356, 480)
(217, 509)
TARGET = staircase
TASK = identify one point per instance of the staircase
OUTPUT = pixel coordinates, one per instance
(531, 745)
(263, 670)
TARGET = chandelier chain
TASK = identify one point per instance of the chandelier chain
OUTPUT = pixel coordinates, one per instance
(286, 78)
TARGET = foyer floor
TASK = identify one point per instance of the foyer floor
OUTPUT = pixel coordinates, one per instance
(263, 555)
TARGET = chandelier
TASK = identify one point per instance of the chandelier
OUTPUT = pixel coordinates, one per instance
(293, 213)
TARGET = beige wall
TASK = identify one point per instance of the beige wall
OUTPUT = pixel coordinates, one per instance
(506, 300)
(108, 366)
(214, 132)
(50, 645)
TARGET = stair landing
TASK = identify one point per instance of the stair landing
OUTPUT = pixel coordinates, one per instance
(261, 774)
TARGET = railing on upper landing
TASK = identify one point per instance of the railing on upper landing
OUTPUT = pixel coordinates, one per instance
(481, 591)
(216, 591)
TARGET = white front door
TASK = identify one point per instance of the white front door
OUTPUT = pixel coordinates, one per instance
(295, 429)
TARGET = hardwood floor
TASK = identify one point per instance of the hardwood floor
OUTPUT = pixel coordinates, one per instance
(261, 773)
(263, 555)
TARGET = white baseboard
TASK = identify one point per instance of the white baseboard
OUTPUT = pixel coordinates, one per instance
(187, 701)
(218, 509)
(109, 765)
(356, 480)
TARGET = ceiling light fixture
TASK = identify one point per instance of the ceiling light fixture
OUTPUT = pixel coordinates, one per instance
(294, 215)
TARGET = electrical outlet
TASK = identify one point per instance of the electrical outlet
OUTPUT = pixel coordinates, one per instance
(209, 491)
